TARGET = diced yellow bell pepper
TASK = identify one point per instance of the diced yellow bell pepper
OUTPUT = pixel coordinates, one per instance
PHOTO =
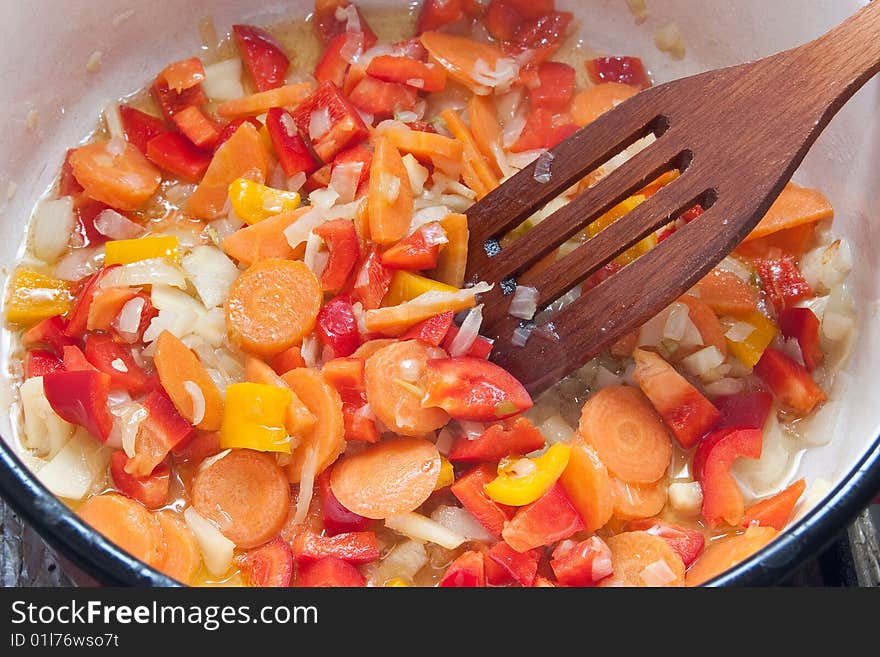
(447, 476)
(123, 252)
(406, 286)
(613, 215)
(749, 351)
(396, 582)
(253, 201)
(253, 418)
(521, 481)
(34, 297)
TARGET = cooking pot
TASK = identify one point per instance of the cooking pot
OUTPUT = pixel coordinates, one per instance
(63, 61)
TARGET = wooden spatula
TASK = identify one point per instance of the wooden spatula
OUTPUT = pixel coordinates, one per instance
(735, 134)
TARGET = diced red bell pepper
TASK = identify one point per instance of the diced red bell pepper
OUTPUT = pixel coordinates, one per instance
(329, 25)
(183, 74)
(230, 128)
(687, 543)
(160, 432)
(81, 398)
(342, 241)
(78, 316)
(329, 571)
(583, 564)
(748, 410)
(68, 185)
(532, 9)
(346, 125)
(337, 326)
(467, 571)
(197, 127)
(359, 154)
(48, 333)
(74, 360)
(86, 213)
(262, 55)
(496, 574)
(140, 127)
(481, 347)
(353, 547)
(722, 498)
(782, 280)
(626, 70)
(417, 252)
(40, 363)
(359, 426)
(521, 566)
(803, 325)
(332, 66)
(171, 102)
(434, 14)
(423, 76)
(198, 446)
(550, 518)
(372, 280)
(789, 381)
(151, 491)
(347, 376)
(474, 389)
(293, 154)
(502, 20)
(555, 87)
(382, 98)
(469, 490)
(116, 361)
(268, 565)
(432, 330)
(543, 35)
(337, 519)
(516, 436)
(543, 129)
(775, 511)
(600, 276)
(174, 153)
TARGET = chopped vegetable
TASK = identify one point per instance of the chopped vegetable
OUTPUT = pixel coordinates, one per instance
(123, 252)
(722, 498)
(254, 417)
(269, 565)
(517, 436)
(34, 297)
(187, 383)
(254, 202)
(803, 325)
(551, 518)
(750, 348)
(80, 397)
(582, 564)
(151, 491)
(390, 199)
(626, 70)
(469, 489)
(633, 552)
(263, 57)
(521, 481)
(466, 571)
(116, 174)
(520, 567)
(789, 381)
(588, 485)
(775, 511)
(125, 523)
(727, 552)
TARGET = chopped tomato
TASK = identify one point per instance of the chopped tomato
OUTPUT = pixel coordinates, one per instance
(521, 567)
(197, 127)
(337, 519)
(803, 325)
(151, 491)
(555, 87)
(687, 543)
(626, 70)
(473, 389)
(583, 564)
(80, 398)
(342, 241)
(468, 488)
(171, 102)
(722, 498)
(39, 362)
(782, 280)
(432, 330)
(417, 252)
(549, 519)
(346, 125)
(423, 76)
(174, 153)
(382, 98)
(78, 317)
(115, 360)
(353, 547)
(467, 571)
(543, 129)
(372, 280)
(789, 381)
(140, 127)
(268, 565)
(329, 571)
(337, 326)
(517, 436)
(744, 411)
(263, 56)
(293, 154)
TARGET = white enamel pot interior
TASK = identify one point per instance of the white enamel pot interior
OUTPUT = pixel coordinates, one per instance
(46, 45)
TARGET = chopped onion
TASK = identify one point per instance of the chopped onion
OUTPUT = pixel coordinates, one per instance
(430, 214)
(837, 327)
(555, 429)
(128, 321)
(520, 335)
(323, 199)
(606, 378)
(444, 440)
(524, 303)
(461, 522)
(79, 263)
(512, 131)
(390, 186)
(739, 331)
(319, 123)
(416, 173)
(296, 181)
(314, 258)
(725, 386)
(500, 77)
(767, 475)
(676, 321)
(113, 119)
(521, 467)
(198, 400)
(525, 158)
(668, 39)
(45, 433)
(154, 271)
(421, 528)
(403, 561)
(344, 179)
(686, 497)
(410, 369)
(657, 573)
(311, 348)
(704, 361)
(306, 484)
(472, 430)
(217, 550)
(79, 467)
(116, 226)
(223, 80)
(212, 274)
(735, 267)
(298, 232)
(468, 332)
(827, 266)
(434, 298)
(542, 167)
(52, 225)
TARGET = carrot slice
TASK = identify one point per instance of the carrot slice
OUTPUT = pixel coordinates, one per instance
(775, 511)
(627, 435)
(452, 261)
(395, 386)
(636, 501)
(259, 103)
(119, 176)
(105, 306)
(245, 493)
(793, 207)
(387, 478)
(590, 104)
(475, 169)
(243, 155)
(424, 146)
(725, 293)
(459, 56)
(633, 552)
(272, 306)
(126, 523)
(588, 485)
(369, 348)
(328, 434)
(390, 197)
(178, 367)
(181, 557)
(485, 128)
(728, 551)
(300, 419)
(264, 239)
(794, 241)
(707, 324)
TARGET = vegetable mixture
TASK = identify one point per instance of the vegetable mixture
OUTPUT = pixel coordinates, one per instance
(248, 354)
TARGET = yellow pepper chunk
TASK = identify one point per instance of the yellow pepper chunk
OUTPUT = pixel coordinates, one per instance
(406, 286)
(613, 215)
(396, 582)
(253, 201)
(750, 349)
(123, 252)
(253, 418)
(447, 476)
(34, 297)
(521, 481)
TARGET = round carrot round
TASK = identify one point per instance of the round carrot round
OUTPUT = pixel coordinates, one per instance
(635, 501)
(632, 552)
(178, 367)
(627, 435)
(120, 177)
(728, 551)
(181, 557)
(588, 485)
(328, 431)
(394, 377)
(245, 493)
(590, 104)
(272, 306)
(393, 476)
(126, 523)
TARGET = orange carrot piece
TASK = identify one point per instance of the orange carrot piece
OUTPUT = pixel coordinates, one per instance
(659, 183)
(588, 485)
(390, 197)
(632, 552)
(475, 169)
(245, 493)
(126, 523)
(259, 103)
(243, 155)
(264, 239)
(122, 178)
(636, 501)
(452, 262)
(775, 511)
(105, 306)
(370, 347)
(328, 434)
(181, 557)
(299, 419)
(272, 306)
(707, 324)
(424, 146)
(390, 477)
(287, 360)
(393, 396)
(589, 104)
(485, 128)
(395, 320)
(628, 436)
(794, 206)
(795, 241)
(727, 294)
(726, 552)
(459, 56)
(177, 366)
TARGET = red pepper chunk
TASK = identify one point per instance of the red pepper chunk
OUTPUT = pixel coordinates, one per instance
(687, 543)
(184, 74)
(353, 547)
(151, 491)
(417, 252)
(423, 76)
(337, 519)
(263, 56)
(543, 35)
(353, 156)
(159, 433)
(775, 511)
(116, 361)
(337, 326)
(467, 571)
(342, 241)
(49, 333)
(332, 66)
(550, 518)
(502, 20)
(347, 376)
(744, 411)
(521, 567)
(171, 102)
(78, 317)
(175, 154)
(197, 127)
(469, 490)
(481, 347)
(80, 397)
(583, 564)
(140, 127)
(803, 325)
(329, 25)
(626, 70)
(268, 565)
(543, 129)
(722, 498)
(434, 14)
(73, 360)
(517, 436)
(346, 125)
(789, 381)
(86, 213)
(432, 330)
(555, 87)
(372, 280)
(293, 154)
(782, 280)
(68, 185)
(40, 363)
(359, 424)
(382, 98)
(329, 571)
